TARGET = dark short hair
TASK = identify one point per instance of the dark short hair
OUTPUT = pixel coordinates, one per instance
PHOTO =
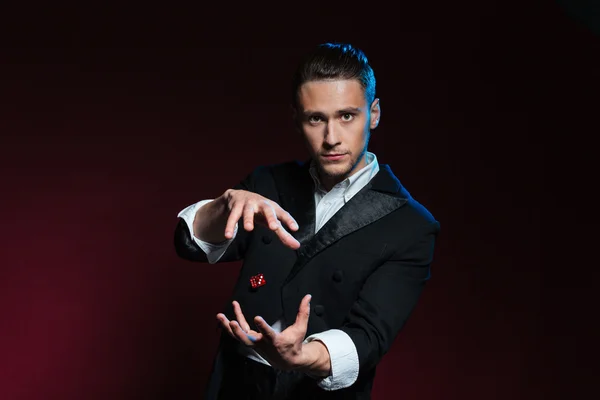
(332, 61)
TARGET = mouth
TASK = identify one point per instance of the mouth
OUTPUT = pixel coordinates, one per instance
(333, 156)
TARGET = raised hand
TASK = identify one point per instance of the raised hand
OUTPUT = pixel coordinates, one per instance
(253, 208)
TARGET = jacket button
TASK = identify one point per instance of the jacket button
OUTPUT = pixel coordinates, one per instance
(266, 239)
(338, 276)
(319, 310)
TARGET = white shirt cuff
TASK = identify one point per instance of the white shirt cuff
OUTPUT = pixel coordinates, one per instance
(213, 251)
(343, 357)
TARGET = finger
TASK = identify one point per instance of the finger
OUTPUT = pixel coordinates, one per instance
(287, 239)
(276, 226)
(234, 217)
(225, 324)
(249, 211)
(303, 313)
(264, 328)
(237, 309)
(286, 218)
(270, 216)
(242, 336)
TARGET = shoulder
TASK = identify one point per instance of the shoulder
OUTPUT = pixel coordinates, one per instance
(288, 168)
(420, 211)
(420, 217)
(285, 168)
(413, 210)
(281, 172)
(270, 178)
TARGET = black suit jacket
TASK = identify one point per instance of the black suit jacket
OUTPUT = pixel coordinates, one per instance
(365, 268)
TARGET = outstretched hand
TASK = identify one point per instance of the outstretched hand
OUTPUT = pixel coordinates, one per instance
(252, 207)
(283, 350)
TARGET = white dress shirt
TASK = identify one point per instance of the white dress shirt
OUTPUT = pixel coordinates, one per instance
(342, 351)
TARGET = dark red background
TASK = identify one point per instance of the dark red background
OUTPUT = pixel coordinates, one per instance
(113, 119)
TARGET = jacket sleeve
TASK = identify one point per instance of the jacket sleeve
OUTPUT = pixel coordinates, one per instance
(188, 249)
(388, 297)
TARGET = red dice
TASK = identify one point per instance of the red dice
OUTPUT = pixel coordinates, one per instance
(257, 281)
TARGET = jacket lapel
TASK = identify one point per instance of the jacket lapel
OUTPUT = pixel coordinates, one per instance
(377, 199)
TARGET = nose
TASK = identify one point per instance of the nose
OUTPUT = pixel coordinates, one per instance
(331, 134)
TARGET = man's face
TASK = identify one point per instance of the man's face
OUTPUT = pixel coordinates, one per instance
(336, 120)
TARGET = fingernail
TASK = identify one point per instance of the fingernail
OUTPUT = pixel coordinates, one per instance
(252, 338)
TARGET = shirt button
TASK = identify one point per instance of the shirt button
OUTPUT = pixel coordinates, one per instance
(338, 276)
(319, 310)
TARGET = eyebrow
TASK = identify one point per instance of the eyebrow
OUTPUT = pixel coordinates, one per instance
(347, 110)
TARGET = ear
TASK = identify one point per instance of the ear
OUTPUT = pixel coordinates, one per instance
(375, 114)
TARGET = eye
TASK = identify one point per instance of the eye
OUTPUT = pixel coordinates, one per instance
(314, 119)
(347, 117)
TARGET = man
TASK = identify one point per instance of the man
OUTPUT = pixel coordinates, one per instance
(335, 251)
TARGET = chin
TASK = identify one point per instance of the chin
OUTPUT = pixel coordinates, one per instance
(335, 171)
